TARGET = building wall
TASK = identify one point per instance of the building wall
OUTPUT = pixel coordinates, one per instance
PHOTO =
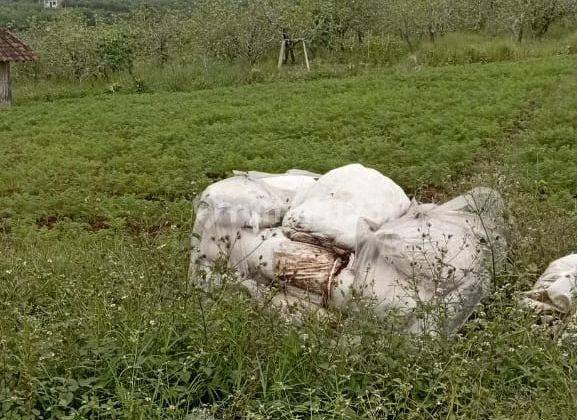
(51, 4)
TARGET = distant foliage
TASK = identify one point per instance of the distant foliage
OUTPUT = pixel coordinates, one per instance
(70, 47)
(80, 42)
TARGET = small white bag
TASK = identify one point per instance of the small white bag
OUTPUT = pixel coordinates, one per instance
(555, 291)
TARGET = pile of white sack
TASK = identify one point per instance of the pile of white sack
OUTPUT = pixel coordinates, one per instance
(349, 238)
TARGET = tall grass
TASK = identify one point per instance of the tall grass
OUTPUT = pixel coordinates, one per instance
(474, 48)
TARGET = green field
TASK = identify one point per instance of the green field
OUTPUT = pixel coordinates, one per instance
(97, 318)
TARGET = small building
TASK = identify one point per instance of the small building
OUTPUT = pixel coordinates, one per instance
(11, 50)
(52, 4)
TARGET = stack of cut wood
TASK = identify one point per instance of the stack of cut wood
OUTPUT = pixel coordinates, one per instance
(319, 241)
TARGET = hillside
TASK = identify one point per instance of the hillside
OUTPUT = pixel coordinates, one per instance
(97, 317)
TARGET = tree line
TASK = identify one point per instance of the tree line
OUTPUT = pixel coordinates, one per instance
(74, 43)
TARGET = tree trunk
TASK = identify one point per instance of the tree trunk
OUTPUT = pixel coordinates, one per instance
(5, 90)
(519, 35)
(519, 28)
(431, 31)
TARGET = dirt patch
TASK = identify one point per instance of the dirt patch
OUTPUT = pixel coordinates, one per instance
(48, 221)
(430, 194)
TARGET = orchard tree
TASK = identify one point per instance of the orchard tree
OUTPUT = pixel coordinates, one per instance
(160, 34)
(234, 29)
(532, 16)
(422, 19)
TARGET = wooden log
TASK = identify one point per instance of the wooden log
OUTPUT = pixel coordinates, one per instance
(5, 89)
(307, 267)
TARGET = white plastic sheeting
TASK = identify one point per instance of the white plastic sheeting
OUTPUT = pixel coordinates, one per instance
(249, 200)
(286, 185)
(556, 290)
(239, 202)
(348, 235)
(235, 220)
(330, 209)
(434, 263)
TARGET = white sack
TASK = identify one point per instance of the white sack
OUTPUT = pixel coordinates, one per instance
(556, 290)
(247, 253)
(238, 202)
(249, 200)
(433, 258)
(328, 211)
(286, 185)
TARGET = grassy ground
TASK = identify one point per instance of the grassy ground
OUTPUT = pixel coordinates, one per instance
(96, 316)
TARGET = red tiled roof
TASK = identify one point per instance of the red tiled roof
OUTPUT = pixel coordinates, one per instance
(12, 49)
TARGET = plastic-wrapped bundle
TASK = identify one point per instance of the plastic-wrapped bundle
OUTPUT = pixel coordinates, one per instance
(247, 253)
(434, 263)
(238, 202)
(285, 185)
(270, 258)
(406, 257)
(253, 200)
(556, 290)
(228, 208)
(327, 213)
